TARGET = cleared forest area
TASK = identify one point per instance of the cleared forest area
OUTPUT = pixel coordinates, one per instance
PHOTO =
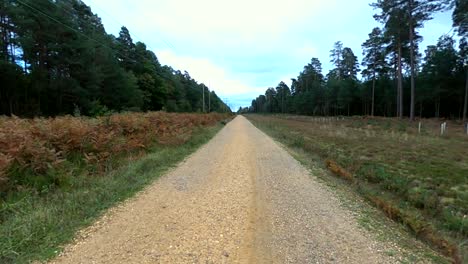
(416, 178)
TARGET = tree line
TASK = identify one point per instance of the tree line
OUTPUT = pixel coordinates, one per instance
(396, 80)
(56, 58)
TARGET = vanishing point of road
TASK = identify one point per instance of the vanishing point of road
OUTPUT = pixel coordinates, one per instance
(241, 198)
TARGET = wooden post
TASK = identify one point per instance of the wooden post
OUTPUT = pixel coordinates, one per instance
(419, 128)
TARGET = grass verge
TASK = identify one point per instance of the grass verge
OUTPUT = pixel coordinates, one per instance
(34, 225)
(390, 170)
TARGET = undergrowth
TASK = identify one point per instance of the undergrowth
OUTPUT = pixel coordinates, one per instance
(41, 212)
(37, 152)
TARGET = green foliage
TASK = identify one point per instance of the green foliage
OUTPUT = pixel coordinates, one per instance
(460, 17)
(97, 109)
(390, 71)
(74, 63)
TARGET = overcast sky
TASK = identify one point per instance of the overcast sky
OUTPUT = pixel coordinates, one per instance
(239, 48)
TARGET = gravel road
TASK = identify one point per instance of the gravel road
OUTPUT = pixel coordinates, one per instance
(241, 198)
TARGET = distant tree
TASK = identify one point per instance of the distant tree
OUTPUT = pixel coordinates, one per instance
(350, 65)
(283, 92)
(374, 59)
(261, 103)
(271, 100)
(56, 58)
(464, 64)
(391, 59)
(336, 57)
(439, 71)
(396, 33)
(343, 79)
(146, 70)
(254, 107)
(460, 22)
(126, 49)
(413, 14)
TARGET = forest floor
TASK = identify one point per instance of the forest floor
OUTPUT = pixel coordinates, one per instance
(243, 198)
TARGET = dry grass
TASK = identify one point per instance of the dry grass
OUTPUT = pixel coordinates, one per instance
(32, 150)
(36, 223)
(336, 169)
(419, 179)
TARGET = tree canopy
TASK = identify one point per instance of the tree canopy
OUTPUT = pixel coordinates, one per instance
(394, 74)
(56, 58)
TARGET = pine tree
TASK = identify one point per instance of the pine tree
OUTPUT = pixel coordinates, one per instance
(283, 92)
(413, 13)
(126, 50)
(439, 71)
(464, 61)
(460, 17)
(460, 22)
(336, 57)
(374, 59)
(396, 33)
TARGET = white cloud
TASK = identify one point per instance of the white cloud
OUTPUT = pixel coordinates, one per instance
(306, 50)
(246, 18)
(241, 47)
(205, 71)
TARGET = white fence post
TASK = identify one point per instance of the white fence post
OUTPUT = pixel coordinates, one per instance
(443, 128)
(419, 128)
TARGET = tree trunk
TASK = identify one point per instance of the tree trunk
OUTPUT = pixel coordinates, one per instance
(373, 95)
(465, 107)
(411, 39)
(398, 90)
(400, 83)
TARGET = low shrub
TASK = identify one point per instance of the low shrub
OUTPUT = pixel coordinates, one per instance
(336, 169)
(33, 151)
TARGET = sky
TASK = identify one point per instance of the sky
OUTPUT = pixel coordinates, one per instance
(240, 48)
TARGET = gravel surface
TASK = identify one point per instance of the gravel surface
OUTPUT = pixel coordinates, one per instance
(241, 198)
